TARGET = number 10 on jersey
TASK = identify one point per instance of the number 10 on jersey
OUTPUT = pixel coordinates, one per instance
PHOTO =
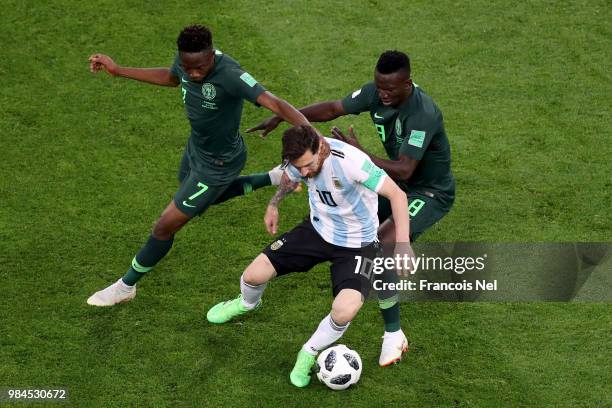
(327, 198)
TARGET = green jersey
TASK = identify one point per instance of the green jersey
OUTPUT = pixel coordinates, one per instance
(215, 147)
(415, 129)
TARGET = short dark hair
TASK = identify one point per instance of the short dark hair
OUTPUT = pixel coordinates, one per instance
(393, 61)
(297, 140)
(195, 38)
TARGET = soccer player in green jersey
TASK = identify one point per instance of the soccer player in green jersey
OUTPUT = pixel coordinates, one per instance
(411, 129)
(214, 88)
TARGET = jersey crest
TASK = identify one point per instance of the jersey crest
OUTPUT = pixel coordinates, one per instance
(337, 183)
(208, 91)
(398, 127)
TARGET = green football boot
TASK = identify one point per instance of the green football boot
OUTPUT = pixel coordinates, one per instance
(225, 311)
(300, 375)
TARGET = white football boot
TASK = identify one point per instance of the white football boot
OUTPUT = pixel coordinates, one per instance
(394, 345)
(118, 292)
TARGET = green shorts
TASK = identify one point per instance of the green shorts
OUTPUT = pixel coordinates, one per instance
(424, 212)
(194, 196)
(184, 168)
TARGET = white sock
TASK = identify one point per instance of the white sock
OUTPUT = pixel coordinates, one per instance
(275, 175)
(251, 295)
(327, 333)
(396, 335)
(124, 287)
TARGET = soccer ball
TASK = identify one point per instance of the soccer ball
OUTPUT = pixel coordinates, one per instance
(339, 367)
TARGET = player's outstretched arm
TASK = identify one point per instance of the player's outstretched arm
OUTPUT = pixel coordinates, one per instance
(282, 108)
(399, 209)
(399, 206)
(285, 187)
(400, 169)
(156, 76)
(318, 112)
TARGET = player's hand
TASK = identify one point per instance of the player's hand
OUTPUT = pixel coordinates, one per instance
(101, 62)
(271, 219)
(267, 126)
(351, 138)
(404, 251)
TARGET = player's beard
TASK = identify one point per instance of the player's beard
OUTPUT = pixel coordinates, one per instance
(324, 152)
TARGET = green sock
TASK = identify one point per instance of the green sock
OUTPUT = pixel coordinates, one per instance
(388, 302)
(244, 185)
(391, 313)
(149, 255)
(132, 276)
(256, 181)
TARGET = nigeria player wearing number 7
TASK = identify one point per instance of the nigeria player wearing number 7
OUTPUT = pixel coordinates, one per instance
(343, 184)
(213, 88)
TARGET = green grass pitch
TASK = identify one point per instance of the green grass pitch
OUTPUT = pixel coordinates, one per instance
(88, 163)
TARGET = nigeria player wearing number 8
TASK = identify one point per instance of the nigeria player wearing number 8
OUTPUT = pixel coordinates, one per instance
(343, 185)
(411, 128)
(213, 89)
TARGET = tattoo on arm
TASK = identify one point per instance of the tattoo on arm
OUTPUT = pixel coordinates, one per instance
(285, 187)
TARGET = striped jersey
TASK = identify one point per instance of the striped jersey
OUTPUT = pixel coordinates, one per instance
(343, 196)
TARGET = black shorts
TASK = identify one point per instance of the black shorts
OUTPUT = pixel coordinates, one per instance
(300, 249)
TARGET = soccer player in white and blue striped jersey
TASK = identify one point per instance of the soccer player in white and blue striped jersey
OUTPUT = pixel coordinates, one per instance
(342, 196)
(343, 188)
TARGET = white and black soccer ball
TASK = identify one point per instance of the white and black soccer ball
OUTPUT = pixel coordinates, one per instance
(339, 367)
